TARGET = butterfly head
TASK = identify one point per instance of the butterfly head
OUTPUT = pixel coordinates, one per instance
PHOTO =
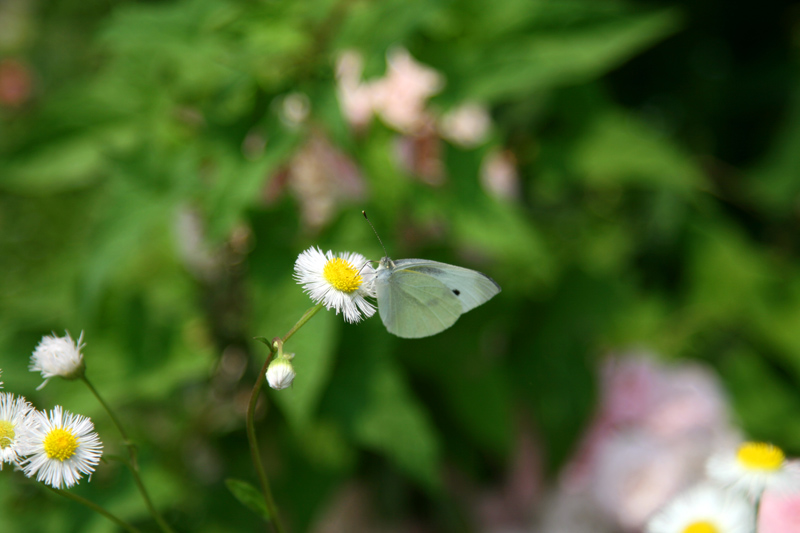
(385, 263)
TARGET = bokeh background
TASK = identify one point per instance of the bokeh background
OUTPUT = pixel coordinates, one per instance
(629, 172)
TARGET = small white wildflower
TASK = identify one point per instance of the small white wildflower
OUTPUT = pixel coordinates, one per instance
(58, 356)
(753, 467)
(340, 282)
(14, 427)
(280, 373)
(62, 447)
(704, 509)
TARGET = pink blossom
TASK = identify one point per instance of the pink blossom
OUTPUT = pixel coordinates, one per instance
(499, 176)
(322, 178)
(16, 83)
(654, 429)
(779, 513)
(399, 97)
(466, 125)
(355, 97)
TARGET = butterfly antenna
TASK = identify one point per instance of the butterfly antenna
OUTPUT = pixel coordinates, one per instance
(385, 254)
(364, 266)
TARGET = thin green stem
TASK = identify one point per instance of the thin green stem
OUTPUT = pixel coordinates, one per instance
(250, 423)
(114, 418)
(303, 319)
(272, 508)
(96, 508)
(133, 464)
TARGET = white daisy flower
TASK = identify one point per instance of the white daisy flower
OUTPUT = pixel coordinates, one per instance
(340, 282)
(61, 448)
(58, 356)
(753, 467)
(14, 427)
(704, 509)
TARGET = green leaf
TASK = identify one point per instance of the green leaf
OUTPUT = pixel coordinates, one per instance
(471, 381)
(371, 397)
(393, 421)
(249, 496)
(495, 71)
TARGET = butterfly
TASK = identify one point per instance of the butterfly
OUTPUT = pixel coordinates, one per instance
(419, 297)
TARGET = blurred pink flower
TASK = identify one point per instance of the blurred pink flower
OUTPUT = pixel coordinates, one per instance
(16, 83)
(654, 429)
(321, 177)
(293, 109)
(635, 475)
(779, 513)
(467, 125)
(355, 97)
(499, 176)
(399, 97)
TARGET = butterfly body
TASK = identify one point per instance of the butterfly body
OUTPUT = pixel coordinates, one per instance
(419, 297)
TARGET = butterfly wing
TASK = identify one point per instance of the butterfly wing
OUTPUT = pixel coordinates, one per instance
(471, 288)
(413, 304)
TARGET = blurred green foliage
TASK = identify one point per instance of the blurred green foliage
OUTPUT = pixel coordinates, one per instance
(143, 200)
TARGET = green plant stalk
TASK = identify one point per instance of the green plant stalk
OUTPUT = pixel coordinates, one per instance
(254, 455)
(96, 508)
(133, 465)
(303, 319)
(251, 428)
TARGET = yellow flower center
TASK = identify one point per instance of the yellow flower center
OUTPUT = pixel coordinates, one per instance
(760, 456)
(342, 275)
(60, 444)
(701, 527)
(6, 433)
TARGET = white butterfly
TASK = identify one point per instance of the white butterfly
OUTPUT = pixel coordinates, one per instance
(419, 297)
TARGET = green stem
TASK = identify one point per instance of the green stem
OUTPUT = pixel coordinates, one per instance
(96, 508)
(303, 319)
(133, 464)
(254, 453)
(250, 423)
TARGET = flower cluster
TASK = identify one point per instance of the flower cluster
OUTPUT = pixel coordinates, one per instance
(341, 282)
(730, 500)
(400, 98)
(662, 455)
(58, 447)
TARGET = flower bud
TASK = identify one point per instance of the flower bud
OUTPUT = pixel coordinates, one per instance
(280, 373)
(58, 356)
